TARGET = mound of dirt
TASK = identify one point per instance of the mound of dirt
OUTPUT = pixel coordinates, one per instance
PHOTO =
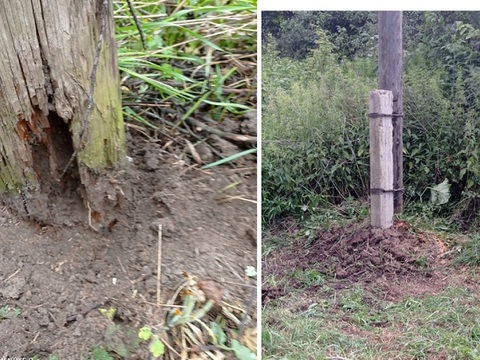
(55, 281)
(358, 252)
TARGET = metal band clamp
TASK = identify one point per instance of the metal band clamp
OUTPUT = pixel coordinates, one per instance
(376, 191)
(378, 115)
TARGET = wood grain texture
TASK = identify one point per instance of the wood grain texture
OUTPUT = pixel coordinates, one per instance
(390, 70)
(48, 50)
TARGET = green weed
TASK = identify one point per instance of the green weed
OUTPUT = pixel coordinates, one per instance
(7, 312)
(195, 59)
(190, 55)
(470, 252)
(99, 353)
(308, 277)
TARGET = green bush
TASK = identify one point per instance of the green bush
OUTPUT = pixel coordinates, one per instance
(315, 131)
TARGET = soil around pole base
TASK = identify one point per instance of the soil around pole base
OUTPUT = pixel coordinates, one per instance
(59, 277)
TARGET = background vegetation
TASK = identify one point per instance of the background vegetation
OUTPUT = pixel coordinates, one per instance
(186, 65)
(318, 68)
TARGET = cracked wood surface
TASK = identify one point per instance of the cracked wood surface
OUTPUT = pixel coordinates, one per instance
(48, 50)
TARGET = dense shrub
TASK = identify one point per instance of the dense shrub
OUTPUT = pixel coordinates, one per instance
(315, 132)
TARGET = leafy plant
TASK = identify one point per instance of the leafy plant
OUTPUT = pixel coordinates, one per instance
(190, 321)
(440, 193)
(7, 312)
(99, 353)
(315, 131)
(157, 348)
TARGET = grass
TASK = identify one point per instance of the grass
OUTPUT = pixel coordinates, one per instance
(355, 325)
(187, 66)
(470, 252)
(198, 56)
(318, 318)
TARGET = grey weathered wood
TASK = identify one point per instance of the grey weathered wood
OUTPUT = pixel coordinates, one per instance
(381, 159)
(47, 56)
(390, 67)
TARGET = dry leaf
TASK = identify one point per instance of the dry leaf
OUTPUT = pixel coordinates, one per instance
(194, 152)
(249, 339)
(211, 290)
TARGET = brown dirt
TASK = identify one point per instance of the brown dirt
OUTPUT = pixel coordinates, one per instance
(394, 262)
(388, 265)
(59, 276)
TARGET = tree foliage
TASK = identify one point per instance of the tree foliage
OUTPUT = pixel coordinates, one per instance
(296, 33)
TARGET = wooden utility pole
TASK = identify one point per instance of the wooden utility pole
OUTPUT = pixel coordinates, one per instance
(381, 162)
(390, 68)
(61, 124)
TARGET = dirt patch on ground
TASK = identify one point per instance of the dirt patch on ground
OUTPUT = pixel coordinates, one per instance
(397, 261)
(58, 277)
